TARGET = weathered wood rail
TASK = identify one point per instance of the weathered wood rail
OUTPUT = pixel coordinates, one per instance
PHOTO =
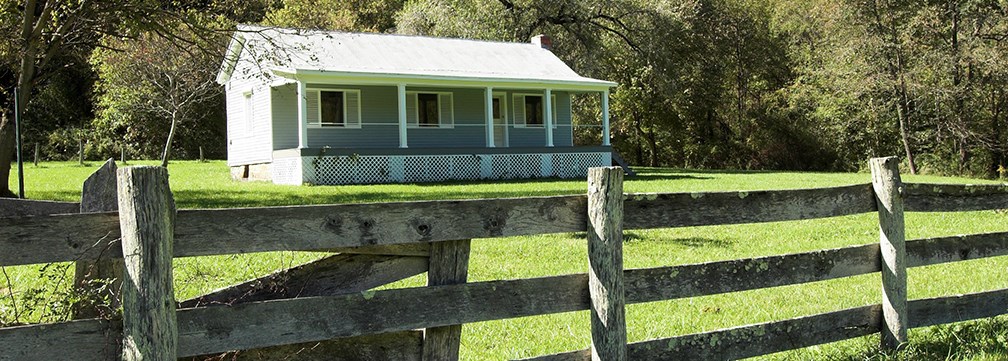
(330, 300)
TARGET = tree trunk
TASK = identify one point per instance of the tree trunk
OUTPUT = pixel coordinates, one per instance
(904, 135)
(6, 153)
(903, 112)
(654, 147)
(998, 148)
(171, 135)
(639, 134)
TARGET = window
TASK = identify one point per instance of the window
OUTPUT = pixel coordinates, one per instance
(530, 111)
(248, 109)
(333, 108)
(427, 107)
(534, 111)
(429, 110)
(331, 112)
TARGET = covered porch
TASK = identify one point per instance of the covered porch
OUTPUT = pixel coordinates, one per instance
(498, 106)
(493, 130)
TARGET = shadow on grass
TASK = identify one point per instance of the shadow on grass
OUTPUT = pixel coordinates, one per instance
(649, 170)
(630, 236)
(982, 339)
(963, 340)
(492, 182)
(663, 177)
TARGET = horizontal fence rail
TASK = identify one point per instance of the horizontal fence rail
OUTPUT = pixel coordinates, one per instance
(201, 232)
(771, 337)
(663, 210)
(98, 339)
(924, 197)
(752, 340)
(13, 207)
(224, 328)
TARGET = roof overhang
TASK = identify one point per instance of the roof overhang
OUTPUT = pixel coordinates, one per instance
(364, 78)
(231, 58)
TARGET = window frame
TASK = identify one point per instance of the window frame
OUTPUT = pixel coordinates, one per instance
(248, 110)
(346, 124)
(556, 111)
(441, 124)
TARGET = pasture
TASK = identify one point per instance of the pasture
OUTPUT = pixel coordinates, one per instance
(206, 185)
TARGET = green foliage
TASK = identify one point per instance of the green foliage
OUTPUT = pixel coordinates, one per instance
(367, 16)
(147, 83)
(730, 84)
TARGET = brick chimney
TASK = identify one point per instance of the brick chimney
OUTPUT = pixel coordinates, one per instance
(543, 41)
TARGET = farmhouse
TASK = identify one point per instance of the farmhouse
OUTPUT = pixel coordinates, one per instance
(326, 107)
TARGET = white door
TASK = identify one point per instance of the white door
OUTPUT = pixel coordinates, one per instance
(499, 122)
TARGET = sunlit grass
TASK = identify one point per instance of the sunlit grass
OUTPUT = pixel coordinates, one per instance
(207, 185)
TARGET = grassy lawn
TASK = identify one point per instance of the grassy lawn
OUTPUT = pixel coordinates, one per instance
(207, 185)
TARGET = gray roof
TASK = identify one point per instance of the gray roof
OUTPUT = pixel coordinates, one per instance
(289, 52)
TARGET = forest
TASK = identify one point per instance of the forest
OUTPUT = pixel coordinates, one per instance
(703, 84)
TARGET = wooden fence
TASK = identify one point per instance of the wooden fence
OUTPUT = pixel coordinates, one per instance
(329, 304)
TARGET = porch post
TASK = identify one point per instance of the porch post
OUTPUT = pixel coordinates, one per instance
(302, 115)
(402, 116)
(549, 117)
(489, 118)
(605, 117)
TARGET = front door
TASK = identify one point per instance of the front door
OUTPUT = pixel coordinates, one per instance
(499, 122)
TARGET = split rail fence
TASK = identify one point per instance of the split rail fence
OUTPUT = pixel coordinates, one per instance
(328, 310)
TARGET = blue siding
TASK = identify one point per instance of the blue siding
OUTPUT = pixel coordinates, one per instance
(470, 123)
(379, 121)
(536, 136)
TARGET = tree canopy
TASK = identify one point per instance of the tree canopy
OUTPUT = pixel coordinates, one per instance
(741, 84)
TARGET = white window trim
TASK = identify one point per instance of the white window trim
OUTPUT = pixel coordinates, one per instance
(248, 110)
(416, 110)
(318, 100)
(556, 112)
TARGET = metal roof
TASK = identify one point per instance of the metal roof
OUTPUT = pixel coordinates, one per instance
(293, 52)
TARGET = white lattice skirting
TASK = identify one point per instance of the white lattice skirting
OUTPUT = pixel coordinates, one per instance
(369, 169)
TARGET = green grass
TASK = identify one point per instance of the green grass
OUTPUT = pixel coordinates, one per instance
(207, 185)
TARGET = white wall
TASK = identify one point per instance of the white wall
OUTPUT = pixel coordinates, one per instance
(248, 143)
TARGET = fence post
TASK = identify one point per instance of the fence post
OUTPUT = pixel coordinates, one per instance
(449, 264)
(146, 221)
(605, 263)
(887, 185)
(98, 195)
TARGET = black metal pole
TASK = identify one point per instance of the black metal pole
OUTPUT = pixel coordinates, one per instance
(17, 136)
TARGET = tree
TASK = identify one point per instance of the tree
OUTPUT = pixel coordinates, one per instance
(148, 82)
(369, 16)
(48, 35)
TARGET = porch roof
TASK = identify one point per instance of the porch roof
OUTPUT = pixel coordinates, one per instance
(309, 55)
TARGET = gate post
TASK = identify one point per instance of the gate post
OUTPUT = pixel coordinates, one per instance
(146, 221)
(892, 240)
(449, 265)
(605, 263)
